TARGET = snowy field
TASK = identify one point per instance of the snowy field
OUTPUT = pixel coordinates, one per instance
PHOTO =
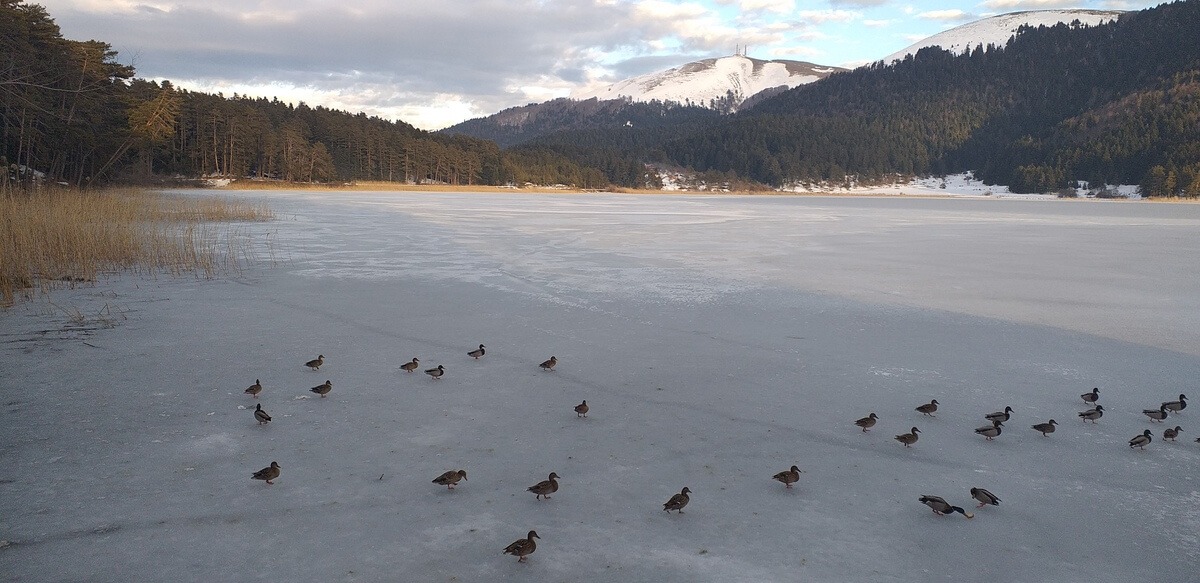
(718, 341)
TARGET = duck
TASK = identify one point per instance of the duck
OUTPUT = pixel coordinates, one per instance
(1177, 406)
(1171, 434)
(1092, 414)
(268, 473)
(581, 410)
(678, 501)
(549, 364)
(941, 507)
(908, 438)
(476, 353)
(789, 477)
(992, 432)
(323, 389)
(984, 497)
(450, 478)
(1091, 397)
(1156, 414)
(1046, 428)
(410, 366)
(436, 373)
(254, 389)
(261, 415)
(1000, 415)
(867, 422)
(928, 408)
(546, 487)
(1141, 441)
(522, 547)
(316, 363)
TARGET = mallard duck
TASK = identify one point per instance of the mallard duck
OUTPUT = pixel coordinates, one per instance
(678, 501)
(1141, 441)
(908, 438)
(316, 363)
(789, 477)
(581, 409)
(1171, 434)
(928, 408)
(546, 487)
(410, 366)
(254, 389)
(1092, 414)
(476, 353)
(549, 364)
(261, 415)
(1177, 406)
(1091, 397)
(268, 473)
(984, 497)
(992, 432)
(522, 547)
(999, 415)
(323, 388)
(941, 507)
(867, 422)
(1046, 428)
(450, 478)
(436, 373)
(1156, 414)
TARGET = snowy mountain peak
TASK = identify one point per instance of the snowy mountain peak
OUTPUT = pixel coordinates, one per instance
(720, 83)
(998, 29)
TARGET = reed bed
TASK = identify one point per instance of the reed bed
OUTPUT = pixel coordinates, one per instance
(51, 239)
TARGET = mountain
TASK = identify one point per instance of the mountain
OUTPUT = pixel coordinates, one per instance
(997, 30)
(722, 83)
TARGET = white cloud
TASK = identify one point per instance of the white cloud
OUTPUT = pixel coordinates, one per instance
(876, 23)
(949, 15)
(823, 16)
(798, 51)
(776, 6)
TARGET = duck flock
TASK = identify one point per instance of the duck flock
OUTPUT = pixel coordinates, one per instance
(995, 428)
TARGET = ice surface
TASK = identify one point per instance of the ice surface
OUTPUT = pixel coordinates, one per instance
(718, 340)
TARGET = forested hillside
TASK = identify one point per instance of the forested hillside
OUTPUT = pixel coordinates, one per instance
(70, 113)
(1115, 103)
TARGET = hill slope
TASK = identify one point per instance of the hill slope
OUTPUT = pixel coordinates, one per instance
(997, 30)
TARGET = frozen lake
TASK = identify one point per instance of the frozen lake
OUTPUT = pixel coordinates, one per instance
(718, 340)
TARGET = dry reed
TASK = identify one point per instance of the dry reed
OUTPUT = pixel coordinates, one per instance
(51, 239)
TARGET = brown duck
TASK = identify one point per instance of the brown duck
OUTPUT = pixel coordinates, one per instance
(1171, 434)
(323, 388)
(928, 408)
(549, 364)
(678, 501)
(254, 389)
(268, 473)
(316, 363)
(546, 487)
(867, 422)
(410, 366)
(522, 547)
(908, 438)
(789, 477)
(1046, 428)
(984, 497)
(450, 478)
(1091, 397)
(581, 410)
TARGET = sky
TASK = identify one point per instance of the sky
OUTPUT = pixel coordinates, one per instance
(434, 63)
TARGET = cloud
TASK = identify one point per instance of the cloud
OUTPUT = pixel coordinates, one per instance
(824, 16)
(858, 3)
(776, 6)
(876, 23)
(1011, 5)
(950, 15)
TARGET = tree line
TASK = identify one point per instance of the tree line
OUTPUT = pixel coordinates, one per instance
(70, 113)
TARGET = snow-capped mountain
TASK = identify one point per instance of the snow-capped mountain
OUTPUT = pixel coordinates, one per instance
(720, 83)
(998, 29)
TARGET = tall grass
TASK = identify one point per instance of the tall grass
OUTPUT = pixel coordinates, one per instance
(50, 238)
